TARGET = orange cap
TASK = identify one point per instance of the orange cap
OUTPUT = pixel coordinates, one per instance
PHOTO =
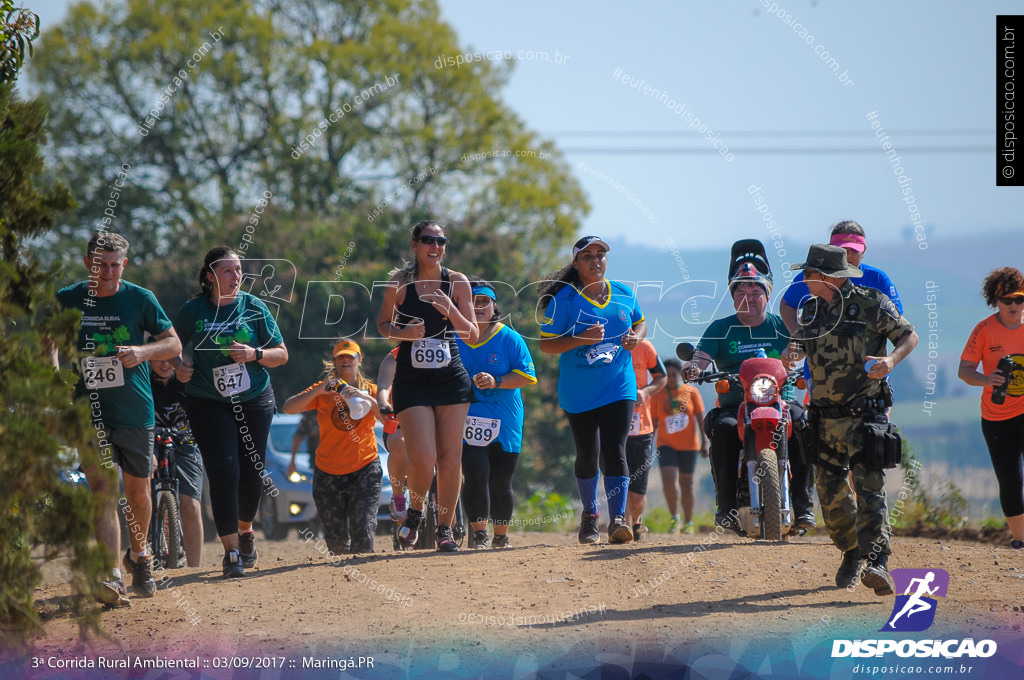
(346, 347)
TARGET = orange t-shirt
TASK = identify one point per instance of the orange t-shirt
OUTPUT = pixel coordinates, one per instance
(645, 358)
(990, 341)
(346, 445)
(680, 418)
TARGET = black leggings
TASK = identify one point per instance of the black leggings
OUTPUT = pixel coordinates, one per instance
(232, 439)
(487, 490)
(600, 436)
(1005, 439)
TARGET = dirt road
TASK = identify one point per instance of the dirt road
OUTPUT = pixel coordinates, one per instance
(546, 603)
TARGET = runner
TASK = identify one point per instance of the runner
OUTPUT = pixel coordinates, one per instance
(998, 344)
(499, 364)
(347, 477)
(425, 306)
(116, 315)
(678, 414)
(639, 453)
(169, 403)
(588, 319)
(228, 397)
(394, 440)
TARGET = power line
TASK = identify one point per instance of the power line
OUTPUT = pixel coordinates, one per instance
(767, 150)
(774, 134)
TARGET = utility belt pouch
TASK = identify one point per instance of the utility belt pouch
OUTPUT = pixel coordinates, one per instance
(804, 427)
(883, 445)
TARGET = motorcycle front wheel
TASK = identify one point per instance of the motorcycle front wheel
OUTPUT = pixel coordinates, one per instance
(770, 493)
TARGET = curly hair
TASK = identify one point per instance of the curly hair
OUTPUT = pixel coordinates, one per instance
(1000, 282)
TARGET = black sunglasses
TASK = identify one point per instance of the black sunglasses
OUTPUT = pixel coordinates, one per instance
(430, 240)
(1016, 300)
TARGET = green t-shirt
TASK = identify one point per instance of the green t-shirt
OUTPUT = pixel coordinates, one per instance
(124, 318)
(729, 343)
(211, 330)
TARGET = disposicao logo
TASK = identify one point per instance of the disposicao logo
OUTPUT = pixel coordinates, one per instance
(914, 611)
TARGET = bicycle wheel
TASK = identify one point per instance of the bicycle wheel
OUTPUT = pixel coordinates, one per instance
(167, 541)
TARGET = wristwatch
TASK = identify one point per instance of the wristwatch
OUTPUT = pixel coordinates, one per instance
(259, 354)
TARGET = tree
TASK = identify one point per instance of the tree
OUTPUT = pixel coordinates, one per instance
(336, 109)
(38, 422)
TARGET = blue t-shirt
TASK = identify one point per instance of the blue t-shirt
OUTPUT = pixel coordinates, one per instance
(503, 353)
(797, 293)
(593, 375)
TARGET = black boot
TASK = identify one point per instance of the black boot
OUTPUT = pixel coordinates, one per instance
(848, 570)
(876, 576)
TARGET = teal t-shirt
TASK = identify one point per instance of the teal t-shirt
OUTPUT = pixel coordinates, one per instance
(124, 394)
(211, 330)
(729, 343)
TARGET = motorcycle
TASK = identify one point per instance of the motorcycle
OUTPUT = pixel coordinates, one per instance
(764, 425)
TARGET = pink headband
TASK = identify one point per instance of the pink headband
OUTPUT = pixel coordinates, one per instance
(852, 241)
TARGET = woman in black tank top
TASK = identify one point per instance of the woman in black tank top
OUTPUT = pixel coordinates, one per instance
(425, 306)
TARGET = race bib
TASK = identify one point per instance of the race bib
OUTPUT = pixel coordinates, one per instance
(481, 431)
(431, 353)
(102, 372)
(231, 379)
(605, 353)
(676, 423)
(634, 425)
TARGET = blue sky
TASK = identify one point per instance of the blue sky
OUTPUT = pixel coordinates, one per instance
(754, 82)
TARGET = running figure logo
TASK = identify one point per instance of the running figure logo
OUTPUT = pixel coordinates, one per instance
(914, 610)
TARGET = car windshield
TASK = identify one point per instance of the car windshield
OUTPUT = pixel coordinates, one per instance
(281, 435)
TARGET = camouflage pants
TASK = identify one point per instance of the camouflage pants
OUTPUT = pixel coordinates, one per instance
(347, 505)
(855, 516)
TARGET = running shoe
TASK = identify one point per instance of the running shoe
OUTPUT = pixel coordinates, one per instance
(638, 531)
(673, 525)
(398, 508)
(446, 539)
(618, 532)
(688, 528)
(876, 576)
(113, 593)
(481, 540)
(848, 570)
(247, 549)
(501, 541)
(589, 533)
(1017, 544)
(143, 584)
(409, 531)
(232, 565)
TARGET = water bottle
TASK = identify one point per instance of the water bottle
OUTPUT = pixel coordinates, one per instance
(359, 405)
(761, 354)
(1005, 366)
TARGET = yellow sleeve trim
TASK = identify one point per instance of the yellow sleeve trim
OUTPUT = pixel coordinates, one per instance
(532, 379)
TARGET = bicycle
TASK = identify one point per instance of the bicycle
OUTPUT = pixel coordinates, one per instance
(427, 533)
(165, 534)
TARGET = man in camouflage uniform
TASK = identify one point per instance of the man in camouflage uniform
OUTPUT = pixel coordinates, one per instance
(841, 328)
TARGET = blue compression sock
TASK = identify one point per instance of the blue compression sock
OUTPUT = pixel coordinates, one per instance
(588, 494)
(616, 488)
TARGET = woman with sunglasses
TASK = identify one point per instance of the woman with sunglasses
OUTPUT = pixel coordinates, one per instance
(589, 321)
(499, 364)
(999, 337)
(425, 307)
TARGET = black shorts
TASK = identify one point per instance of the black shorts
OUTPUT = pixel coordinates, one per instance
(189, 467)
(437, 387)
(686, 461)
(639, 459)
(133, 450)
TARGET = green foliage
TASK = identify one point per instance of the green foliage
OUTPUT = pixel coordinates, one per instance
(993, 524)
(920, 508)
(40, 517)
(18, 28)
(545, 511)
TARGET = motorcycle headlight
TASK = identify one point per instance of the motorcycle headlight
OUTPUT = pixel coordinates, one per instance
(764, 391)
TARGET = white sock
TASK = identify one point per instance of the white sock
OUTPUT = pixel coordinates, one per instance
(136, 556)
